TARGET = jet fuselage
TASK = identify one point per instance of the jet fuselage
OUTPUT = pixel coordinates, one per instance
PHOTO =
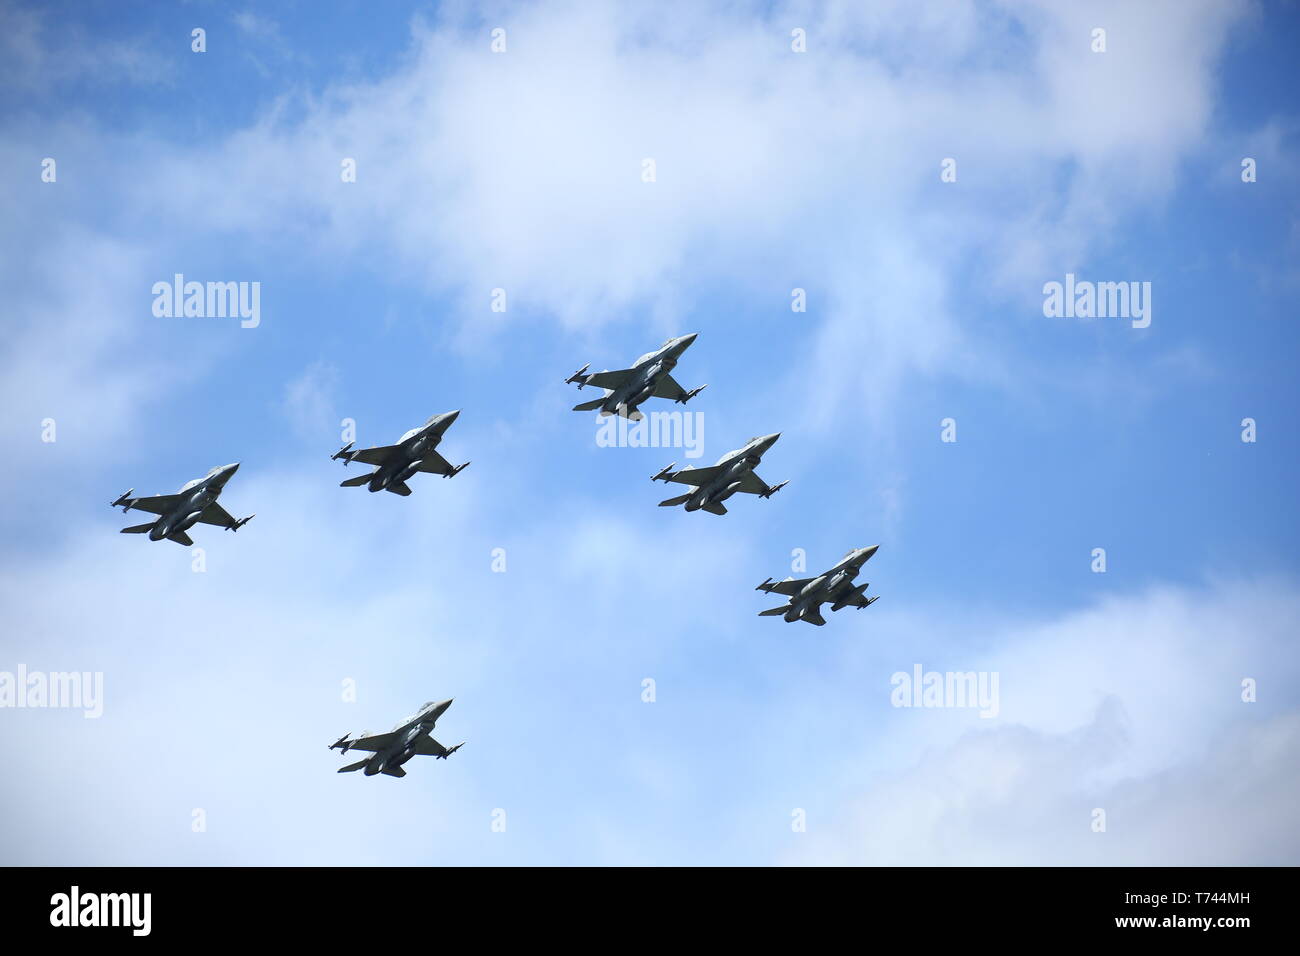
(727, 482)
(828, 586)
(201, 493)
(649, 368)
(402, 748)
(415, 446)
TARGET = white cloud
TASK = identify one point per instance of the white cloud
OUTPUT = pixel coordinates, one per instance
(1133, 706)
(309, 400)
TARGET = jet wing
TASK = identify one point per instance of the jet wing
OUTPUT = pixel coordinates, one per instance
(435, 464)
(609, 380)
(426, 746)
(751, 484)
(856, 600)
(790, 586)
(373, 456)
(155, 504)
(695, 476)
(374, 742)
(217, 515)
(667, 387)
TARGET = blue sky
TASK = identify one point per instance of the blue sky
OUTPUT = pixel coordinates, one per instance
(776, 170)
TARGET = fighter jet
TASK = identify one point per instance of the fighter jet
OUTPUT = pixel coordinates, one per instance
(649, 377)
(413, 452)
(713, 485)
(391, 750)
(195, 502)
(807, 595)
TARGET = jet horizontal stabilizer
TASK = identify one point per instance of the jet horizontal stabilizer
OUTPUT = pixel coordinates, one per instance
(679, 500)
(774, 611)
(589, 406)
(139, 528)
(354, 766)
(356, 482)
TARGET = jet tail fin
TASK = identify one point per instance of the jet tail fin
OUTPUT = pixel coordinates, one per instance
(590, 406)
(679, 500)
(356, 482)
(354, 766)
(139, 528)
(774, 611)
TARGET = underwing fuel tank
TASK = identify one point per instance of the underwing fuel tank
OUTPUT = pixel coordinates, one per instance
(728, 491)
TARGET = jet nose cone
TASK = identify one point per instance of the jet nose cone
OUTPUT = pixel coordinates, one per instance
(451, 417)
(231, 468)
(771, 439)
(689, 338)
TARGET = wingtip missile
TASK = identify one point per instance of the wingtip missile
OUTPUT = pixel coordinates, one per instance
(450, 751)
(664, 473)
(579, 376)
(691, 394)
(763, 586)
(342, 742)
(774, 489)
(241, 522)
(124, 500)
(344, 453)
(456, 471)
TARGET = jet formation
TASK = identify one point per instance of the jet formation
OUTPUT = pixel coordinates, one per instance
(807, 595)
(414, 452)
(733, 472)
(649, 377)
(410, 738)
(195, 502)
